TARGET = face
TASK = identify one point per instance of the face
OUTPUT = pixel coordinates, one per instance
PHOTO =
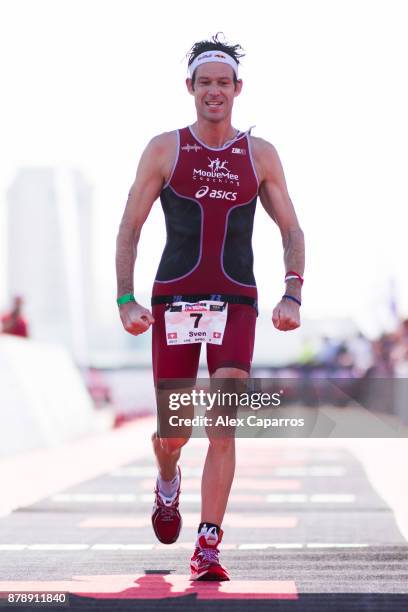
(214, 91)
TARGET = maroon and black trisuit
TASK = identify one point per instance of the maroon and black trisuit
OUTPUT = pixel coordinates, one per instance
(209, 205)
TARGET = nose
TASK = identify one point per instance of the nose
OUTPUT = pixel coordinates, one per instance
(213, 90)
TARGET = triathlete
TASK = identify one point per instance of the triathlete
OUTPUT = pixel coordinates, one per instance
(208, 177)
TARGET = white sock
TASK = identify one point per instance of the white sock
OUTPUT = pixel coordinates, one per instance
(168, 488)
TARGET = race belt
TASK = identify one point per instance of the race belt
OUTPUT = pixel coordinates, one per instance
(199, 297)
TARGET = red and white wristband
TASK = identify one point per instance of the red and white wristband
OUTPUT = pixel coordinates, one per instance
(291, 275)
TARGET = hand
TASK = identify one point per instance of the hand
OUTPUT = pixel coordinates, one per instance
(135, 318)
(286, 315)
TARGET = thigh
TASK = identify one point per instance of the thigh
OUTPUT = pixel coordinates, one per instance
(175, 371)
(174, 361)
(237, 348)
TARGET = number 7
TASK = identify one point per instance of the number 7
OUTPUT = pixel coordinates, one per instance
(197, 318)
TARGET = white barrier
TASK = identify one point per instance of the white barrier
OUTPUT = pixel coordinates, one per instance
(43, 400)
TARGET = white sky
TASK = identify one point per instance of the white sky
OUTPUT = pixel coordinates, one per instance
(88, 83)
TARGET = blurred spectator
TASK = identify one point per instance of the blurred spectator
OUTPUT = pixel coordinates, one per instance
(384, 357)
(307, 355)
(362, 354)
(344, 358)
(399, 351)
(329, 352)
(13, 322)
(383, 347)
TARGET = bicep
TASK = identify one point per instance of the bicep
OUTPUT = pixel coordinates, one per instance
(146, 188)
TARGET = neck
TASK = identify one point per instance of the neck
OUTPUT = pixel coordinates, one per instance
(214, 134)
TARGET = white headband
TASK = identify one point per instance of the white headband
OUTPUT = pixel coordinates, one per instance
(213, 56)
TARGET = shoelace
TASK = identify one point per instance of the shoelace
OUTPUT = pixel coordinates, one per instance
(209, 554)
(167, 512)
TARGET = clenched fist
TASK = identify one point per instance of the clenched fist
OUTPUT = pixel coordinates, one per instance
(135, 318)
(286, 315)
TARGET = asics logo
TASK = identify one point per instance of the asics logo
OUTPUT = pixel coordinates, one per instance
(202, 192)
(216, 194)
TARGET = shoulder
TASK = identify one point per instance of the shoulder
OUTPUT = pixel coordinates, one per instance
(161, 152)
(265, 156)
(164, 139)
(163, 143)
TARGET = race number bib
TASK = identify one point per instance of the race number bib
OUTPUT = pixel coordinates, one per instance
(199, 322)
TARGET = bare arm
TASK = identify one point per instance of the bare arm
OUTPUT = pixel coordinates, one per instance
(150, 177)
(153, 170)
(275, 199)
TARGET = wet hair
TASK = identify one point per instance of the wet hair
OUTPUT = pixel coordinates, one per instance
(215, 44)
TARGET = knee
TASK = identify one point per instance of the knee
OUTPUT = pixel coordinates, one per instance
(230, 373)
(222, 445)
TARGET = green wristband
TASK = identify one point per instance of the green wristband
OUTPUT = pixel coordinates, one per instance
(124, 299)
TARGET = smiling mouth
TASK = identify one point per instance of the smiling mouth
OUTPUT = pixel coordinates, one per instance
(213, 104)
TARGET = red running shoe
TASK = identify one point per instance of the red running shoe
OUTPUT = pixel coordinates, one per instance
(166, 519)
(204, 563)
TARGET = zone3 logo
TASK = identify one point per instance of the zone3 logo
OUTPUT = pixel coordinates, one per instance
(217, 194)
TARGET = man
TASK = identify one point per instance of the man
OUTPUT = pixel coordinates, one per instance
(13, 322)
(208, 177)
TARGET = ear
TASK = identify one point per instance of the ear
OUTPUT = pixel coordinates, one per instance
(238, 87)
(189, 84)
